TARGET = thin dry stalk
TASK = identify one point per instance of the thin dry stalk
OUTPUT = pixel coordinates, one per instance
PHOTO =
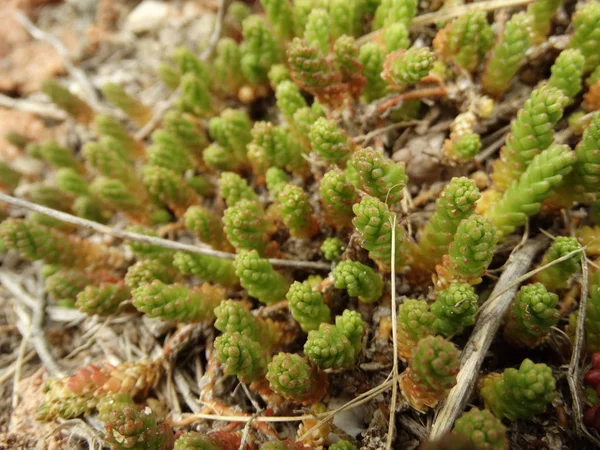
(490, 318)
(391, 422)
(438, 91)
(76, 72)
(173, 245)
(40, 109)
(205, 55)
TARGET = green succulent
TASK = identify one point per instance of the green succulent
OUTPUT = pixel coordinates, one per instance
(307, 306)
(359, 280)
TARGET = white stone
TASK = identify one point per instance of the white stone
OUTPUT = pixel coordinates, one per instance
(147, 16)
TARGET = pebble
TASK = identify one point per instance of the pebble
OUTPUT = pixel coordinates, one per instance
(147, 16)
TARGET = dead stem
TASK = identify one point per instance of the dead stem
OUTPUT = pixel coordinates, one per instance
(438, 91)
(173, 245)
(392, 418)
(490, 318)
(76, 72)
(41, 109)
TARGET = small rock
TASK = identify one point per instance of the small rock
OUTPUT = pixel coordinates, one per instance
(421, 155)
(147, 16)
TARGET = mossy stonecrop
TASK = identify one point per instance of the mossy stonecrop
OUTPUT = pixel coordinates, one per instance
(415, 321)
(281, 16)
(235, 317)
(374, 224)
(395, 37)
(524, 197)
(483, 429)
(231, 130)
(454, 309)
(233, 188)
(104, 299)
(317, 31)
(70, 103)
(296, 212)
(227, 67)
(241, 356)
(519, 393)
(591, 97)
(531, 133)
(372, 56)
(147, 270)
(218, 440)
(259, 278)
(541, 12)
(507, 54)
(470, 252)
(332, 248)
(351, 325)
(315, 73)
(170, 152)
(329, 142)
(431, 372)
(531, 315)
(209, 268)
(455, 203)
(128, 427)
(246, 227)
(177, 302)
(108, 126)
(132, 108)
(567, 72)
(391, 11)
(592, 318)
(466, 40)
(9, 178)
(118, 196)
(289, 98)
(275, 146)
(276, 179)
(587, 166)
(56, 155)
(307, 306)
(260, 49)
(557, 277)
(295, 378)
(35, 242)
(169, 188)
(337, 198)
(347, 61)
(335, 346)
(65, 284)
(405, 67)
(375, 174)
(206, 226)
(586, 34)
(358, 280)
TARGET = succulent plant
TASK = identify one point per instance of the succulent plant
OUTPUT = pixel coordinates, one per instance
(415, 321)
(177, 302)
(507, 54)
(296, 212)
(292, 377)
(35, 242)
(557, 276)
(207, 268)
(374, 224)
(245, 226)
(373, 173)
(482, 428)
(392, 11)
(289, 98)
(431, 372)
(329, 348)
(359, 280)
(132, 108)
(403, 68)
(332, 248)
(103, 300)
(531, 133)
(307, 306)
(567, 72)
(532, 313)
(586, 37)
(519, 393)
(70, 103)
(337, 198)
(523, 198)
(281, 16)
(206, 226)
(328, 141)
(241, 356)
(260, 49)
(454, 309)
(372, 56)
(317, 31)
(147, 270)
(259, 278)
(455, 203)
(128, 427)
(169, 188)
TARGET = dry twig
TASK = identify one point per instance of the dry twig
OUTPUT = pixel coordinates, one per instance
(490, 318)
(173, 245)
